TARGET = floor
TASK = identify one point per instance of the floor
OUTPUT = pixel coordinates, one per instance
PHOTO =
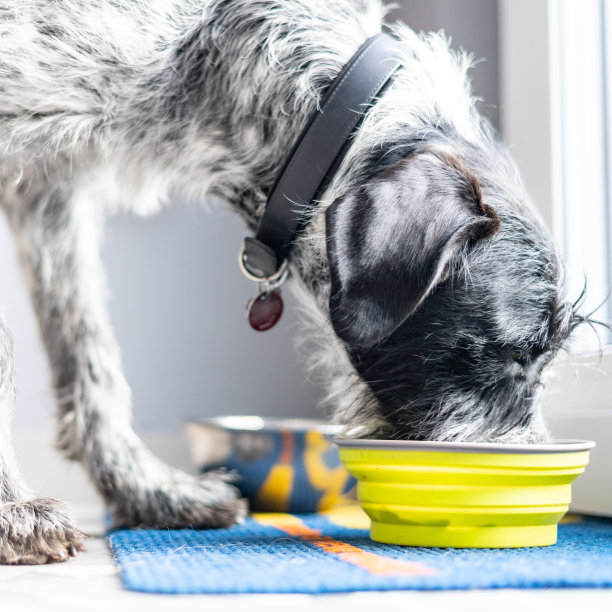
(90, 582)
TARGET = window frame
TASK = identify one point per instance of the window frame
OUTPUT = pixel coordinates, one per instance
(578, 398)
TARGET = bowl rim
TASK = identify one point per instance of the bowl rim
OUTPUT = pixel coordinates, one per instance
(253, 423)
(555, 446)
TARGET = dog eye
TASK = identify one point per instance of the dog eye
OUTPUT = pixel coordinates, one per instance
(524, 356)
(520, 355)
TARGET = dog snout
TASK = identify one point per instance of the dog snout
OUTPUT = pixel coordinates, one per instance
(526, 364)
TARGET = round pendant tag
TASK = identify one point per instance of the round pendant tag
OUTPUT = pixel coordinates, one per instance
(265, 311)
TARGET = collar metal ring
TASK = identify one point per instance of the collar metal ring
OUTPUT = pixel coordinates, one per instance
(274, 281)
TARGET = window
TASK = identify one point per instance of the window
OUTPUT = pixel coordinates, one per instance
(581, 65)
(556, 109)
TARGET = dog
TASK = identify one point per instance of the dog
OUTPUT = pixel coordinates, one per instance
(433, 289)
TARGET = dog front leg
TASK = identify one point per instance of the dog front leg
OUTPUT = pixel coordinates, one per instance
(32, 530)
(57, 234)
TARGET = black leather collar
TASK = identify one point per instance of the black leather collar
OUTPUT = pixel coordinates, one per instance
(318, 153)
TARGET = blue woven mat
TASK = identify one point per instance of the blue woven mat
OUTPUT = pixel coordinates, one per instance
(331, 552)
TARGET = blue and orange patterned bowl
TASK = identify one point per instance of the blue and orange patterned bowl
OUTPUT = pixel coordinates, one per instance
(283, 465)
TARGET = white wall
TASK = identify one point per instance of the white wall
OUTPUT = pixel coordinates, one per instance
(177, 304)
(472, 25)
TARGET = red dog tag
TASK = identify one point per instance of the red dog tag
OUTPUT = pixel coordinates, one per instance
(265, 310)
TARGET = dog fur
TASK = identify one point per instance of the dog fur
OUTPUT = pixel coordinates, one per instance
(431, 284)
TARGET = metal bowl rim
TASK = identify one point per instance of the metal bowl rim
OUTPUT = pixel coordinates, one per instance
(252, 423)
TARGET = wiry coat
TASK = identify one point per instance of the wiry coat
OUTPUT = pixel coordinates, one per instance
(115, 103)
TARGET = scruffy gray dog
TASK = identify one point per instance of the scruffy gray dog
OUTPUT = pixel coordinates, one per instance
(430, 281)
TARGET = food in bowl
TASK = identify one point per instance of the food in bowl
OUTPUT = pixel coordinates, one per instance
(464, 495)
(282, 465)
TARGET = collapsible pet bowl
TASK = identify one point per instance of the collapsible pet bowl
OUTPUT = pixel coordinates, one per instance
(281, 465)
(463, 495)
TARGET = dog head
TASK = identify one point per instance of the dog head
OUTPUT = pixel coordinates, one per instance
(446, 291)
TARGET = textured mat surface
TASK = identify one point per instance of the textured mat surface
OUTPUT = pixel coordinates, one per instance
(282, 553)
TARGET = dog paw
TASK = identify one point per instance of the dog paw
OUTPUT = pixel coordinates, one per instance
(180, 500)
(37, 531)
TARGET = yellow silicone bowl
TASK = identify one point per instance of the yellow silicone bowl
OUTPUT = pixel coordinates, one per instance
(464, 495)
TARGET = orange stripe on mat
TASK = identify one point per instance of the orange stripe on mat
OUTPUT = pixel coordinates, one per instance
(373, 563)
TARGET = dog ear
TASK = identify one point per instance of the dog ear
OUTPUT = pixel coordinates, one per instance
(391, 240)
